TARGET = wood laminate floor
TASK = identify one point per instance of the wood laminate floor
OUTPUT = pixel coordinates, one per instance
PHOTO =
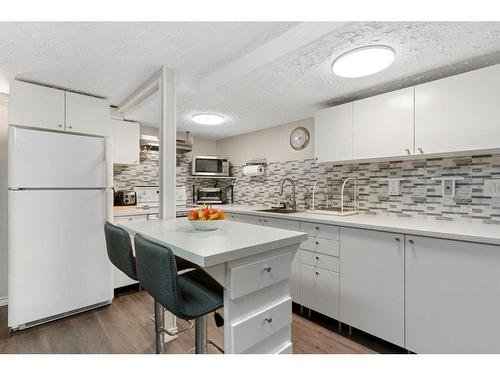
(125, 327)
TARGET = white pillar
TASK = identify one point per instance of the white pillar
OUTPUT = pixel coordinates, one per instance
(168, 135)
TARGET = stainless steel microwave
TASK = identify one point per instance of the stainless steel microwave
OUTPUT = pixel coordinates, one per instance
(210, 166)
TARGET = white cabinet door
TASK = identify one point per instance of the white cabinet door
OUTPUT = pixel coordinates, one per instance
(319, 290)
(333, 133)
(125, 136)
(86, 114)
(372, 282)
(452, 296)
(383, 125)
(458, 113)
(36, 106)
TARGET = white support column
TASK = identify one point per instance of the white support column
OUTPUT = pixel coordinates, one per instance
(168, 130)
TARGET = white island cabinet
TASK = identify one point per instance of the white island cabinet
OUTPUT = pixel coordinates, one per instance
(372, 282)
(252, 263)
(452, 296)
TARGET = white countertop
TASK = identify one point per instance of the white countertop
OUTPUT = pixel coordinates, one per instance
(462, 230)
(230, 242)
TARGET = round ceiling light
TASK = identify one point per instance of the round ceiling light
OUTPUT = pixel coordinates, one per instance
(208, 119)
(363, 61)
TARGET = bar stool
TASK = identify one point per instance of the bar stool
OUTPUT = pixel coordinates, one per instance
(121, 255)
(191, 295)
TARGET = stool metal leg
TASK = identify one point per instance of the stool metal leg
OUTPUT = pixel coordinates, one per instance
(159, 324)
(200, 333)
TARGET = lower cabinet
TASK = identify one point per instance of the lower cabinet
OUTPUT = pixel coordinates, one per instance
(319, 290)
(452, 296)
(372, 282)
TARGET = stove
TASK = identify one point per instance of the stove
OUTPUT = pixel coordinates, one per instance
(148, 199)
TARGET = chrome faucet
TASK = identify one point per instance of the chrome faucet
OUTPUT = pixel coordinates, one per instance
(355, 193)
(294, 203)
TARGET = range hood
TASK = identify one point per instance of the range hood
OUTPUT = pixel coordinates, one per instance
(151, 143)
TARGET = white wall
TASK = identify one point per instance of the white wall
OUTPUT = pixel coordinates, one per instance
(272, 144)
(4, 125)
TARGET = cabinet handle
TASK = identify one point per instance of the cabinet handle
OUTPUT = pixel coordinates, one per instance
(397, 239)
(317, 228)
(317, 273)
(411, 241)
(265, 221)
(407, 151)
(317, 257)
(269, 320)
(70, 127)
(420, 150)
(317, 243)
(268, 269)
(60, 125)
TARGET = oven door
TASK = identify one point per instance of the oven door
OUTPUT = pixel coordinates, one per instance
(210, 166)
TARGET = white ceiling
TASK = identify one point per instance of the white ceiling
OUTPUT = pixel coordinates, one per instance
(256, 74)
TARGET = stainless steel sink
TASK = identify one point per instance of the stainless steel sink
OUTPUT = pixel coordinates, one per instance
(278, 210)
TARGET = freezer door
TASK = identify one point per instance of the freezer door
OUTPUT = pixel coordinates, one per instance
(40, 159)
(57, 253)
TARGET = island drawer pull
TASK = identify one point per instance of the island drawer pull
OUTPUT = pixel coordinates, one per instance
(267, 268)
(269, 320)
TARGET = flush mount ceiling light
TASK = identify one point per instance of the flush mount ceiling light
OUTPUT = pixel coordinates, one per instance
(208, 119)
(363, 61)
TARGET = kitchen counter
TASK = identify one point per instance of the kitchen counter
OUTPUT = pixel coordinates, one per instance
(252, 263)
(462, 230)
(207, 248)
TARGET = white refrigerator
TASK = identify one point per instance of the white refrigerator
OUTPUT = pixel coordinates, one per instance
(58, 202)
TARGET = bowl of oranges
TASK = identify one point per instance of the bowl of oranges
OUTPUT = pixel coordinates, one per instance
(206, 218)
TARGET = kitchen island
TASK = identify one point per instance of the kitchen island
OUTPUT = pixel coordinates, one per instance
(252, 263)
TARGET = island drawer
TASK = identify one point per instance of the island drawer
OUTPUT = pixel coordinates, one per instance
(250, 277)
(257, 327)
(321, 245)
(330, 232)
(319, 260)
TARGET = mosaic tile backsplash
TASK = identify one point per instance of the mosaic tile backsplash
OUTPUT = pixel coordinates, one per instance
(420, 184)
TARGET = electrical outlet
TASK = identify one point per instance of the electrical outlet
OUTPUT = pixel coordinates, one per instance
(394, 186)
(492, 188)
(448, 188)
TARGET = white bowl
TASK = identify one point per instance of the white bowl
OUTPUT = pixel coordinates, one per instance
(205, 224)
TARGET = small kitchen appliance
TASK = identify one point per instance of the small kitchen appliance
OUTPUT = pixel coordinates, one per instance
(125, 198)
(211, 195)
(216, 166)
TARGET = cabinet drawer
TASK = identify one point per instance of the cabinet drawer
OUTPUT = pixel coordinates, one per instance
(320, 290)
(279, 223)
(319, 260)
(248, 278)
(320, 245)
(247, 219)
(125, 219)
(330, 232)
(261, 325)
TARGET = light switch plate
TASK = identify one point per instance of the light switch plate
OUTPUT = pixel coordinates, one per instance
(492, 188)
(394, 186)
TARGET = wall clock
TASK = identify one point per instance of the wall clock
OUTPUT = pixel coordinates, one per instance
(299, 138)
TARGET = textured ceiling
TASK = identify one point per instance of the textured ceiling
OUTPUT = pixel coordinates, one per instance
(111, 59)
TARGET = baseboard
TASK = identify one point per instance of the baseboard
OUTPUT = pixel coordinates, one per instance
(4, 301)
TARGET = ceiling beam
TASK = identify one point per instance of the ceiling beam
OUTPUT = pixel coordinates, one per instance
(293, 39)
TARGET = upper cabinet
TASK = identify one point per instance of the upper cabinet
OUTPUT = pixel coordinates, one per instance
(86, 114)
(36, 106)
(333, 133)
(125, 136)
(454, 114)
(386, 118)
(48, 108)
(459, 113)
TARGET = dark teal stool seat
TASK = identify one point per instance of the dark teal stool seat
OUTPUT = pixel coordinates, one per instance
(121, 254)
(191, 295)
